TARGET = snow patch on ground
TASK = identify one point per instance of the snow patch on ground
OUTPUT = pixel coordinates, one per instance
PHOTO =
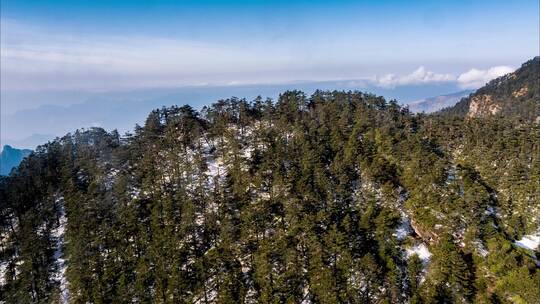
(480, 248)
(216, 171)
(490, 210)
(60, 274)
(3, 269)
(421, 250)
(210, 296)
(215, 168)
(529, 242)
(110, 178)
(305, 295)
(404, 228)
(451, 175)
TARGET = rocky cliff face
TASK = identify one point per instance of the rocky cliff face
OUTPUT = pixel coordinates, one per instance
(482, 106)
(521, 92)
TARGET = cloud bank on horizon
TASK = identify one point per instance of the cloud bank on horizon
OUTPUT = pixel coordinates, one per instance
(475, 78)
(101, 45)
(472, 79)
(34, 59)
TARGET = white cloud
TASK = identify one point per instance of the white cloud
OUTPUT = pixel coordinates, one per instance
(475, 78)
(418, 77)
(129, 62)
(43, 59)
(471, 79)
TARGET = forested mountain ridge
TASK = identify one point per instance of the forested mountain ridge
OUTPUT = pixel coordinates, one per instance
(339, 197)
(516, 94)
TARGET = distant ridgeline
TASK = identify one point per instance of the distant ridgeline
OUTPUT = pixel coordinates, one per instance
(11, 158)
(333, 198)
(433, 104)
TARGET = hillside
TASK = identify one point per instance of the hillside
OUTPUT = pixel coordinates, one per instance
(10, 158)
(336, 197)
(516, 94)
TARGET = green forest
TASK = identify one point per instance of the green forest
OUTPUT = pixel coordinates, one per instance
(336, 197)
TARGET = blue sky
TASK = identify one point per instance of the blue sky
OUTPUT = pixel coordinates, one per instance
(76, 47)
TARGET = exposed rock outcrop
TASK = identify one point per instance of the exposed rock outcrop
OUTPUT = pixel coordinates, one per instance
(521, 92)
(483, 105)
(426, 235)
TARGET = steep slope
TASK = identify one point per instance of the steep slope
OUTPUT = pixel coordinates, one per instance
(337, 197)
(10, 158)
(513, 95)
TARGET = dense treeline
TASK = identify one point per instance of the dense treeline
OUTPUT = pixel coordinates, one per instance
(332, 198)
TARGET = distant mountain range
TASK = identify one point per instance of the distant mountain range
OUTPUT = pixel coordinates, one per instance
(436, 103)
(10, 158)
(30, 142)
